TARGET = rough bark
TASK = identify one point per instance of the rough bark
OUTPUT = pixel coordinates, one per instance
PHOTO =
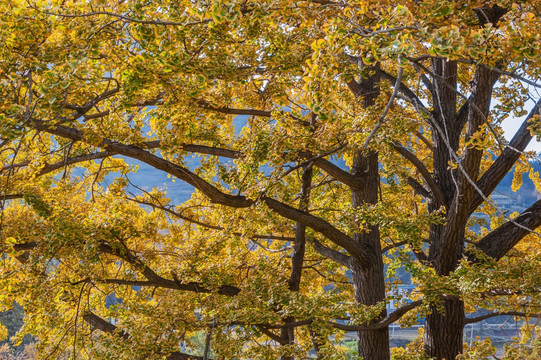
(444, 330)
(444, 324)
(445, 99)
(368, 280)
(369, 288)
(445, 140)
(323, 227)
(452, 241)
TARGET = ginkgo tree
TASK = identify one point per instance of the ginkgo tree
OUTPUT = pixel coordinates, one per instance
(330, 139)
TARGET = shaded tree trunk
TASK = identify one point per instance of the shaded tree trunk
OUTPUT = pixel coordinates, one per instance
(444, 325)
(368, 279)
(369, 287)
(444, 330)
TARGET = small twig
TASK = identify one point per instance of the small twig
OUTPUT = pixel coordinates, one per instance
(208, 339)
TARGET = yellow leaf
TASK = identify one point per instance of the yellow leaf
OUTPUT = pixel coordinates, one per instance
(3, 333)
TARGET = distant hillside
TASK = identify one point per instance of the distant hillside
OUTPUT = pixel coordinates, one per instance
(507, 199)
(178, 191)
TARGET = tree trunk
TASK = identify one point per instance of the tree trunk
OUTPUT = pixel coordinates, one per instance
(368, 280)
(444, 330)
(444, 326)
(369, 287)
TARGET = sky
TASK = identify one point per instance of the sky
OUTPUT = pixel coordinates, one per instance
(510, 127)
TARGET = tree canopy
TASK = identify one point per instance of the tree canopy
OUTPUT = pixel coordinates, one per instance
(328, 143)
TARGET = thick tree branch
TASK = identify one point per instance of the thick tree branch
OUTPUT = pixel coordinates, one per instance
(299, 244)
(490, 14)
(382, 323)
(500, 313)
(270, 334)
(225, 110)
(498, 242)
(427, 142)
(418, 188)
(213, 193)
(159, 281)
(25, 246)
(11, 197)
(469, 105)
(96, 322)
(210, 150)
(330, 253)
(337, 173)
(450, 248)
(501, 166)
(323, 227)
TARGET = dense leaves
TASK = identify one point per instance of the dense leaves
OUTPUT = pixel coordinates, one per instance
(322, 139)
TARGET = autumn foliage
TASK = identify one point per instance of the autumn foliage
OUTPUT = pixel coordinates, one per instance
(328, 143)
